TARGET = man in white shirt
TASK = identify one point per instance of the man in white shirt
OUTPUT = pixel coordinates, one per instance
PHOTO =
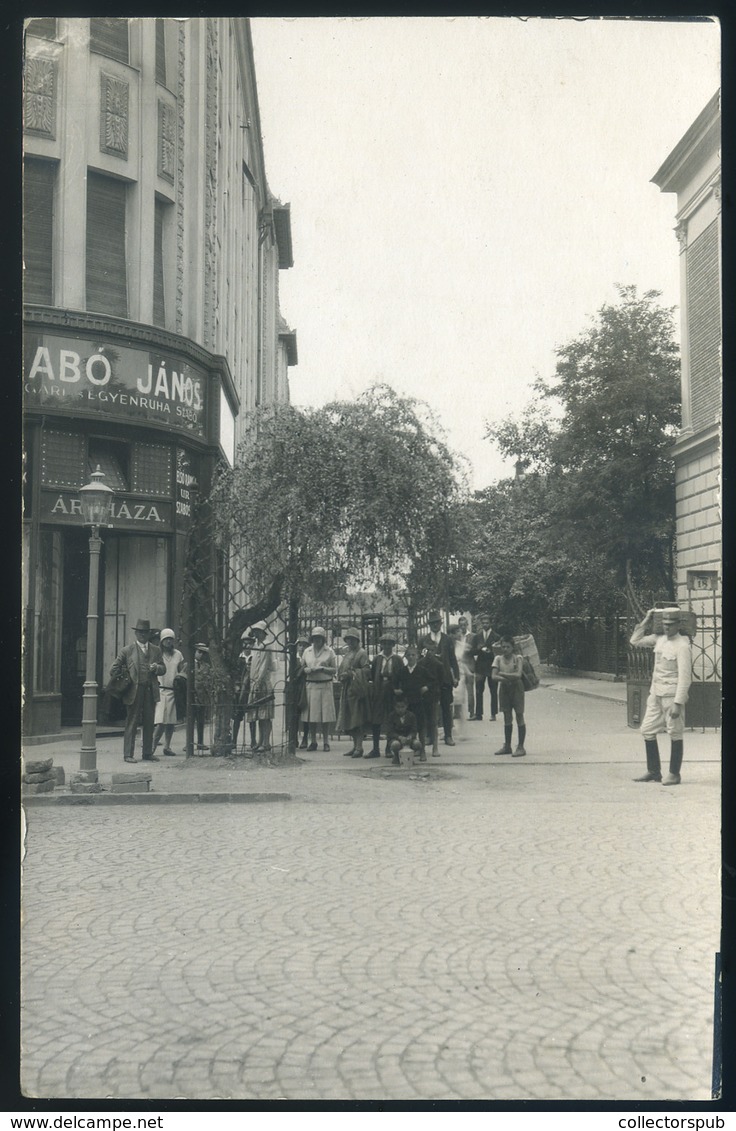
(668, 691)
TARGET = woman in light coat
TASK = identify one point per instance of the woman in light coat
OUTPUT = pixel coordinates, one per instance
(164, 719)
(320, 664)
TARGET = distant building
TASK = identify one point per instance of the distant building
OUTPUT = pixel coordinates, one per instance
(152, 253)
(693, 172)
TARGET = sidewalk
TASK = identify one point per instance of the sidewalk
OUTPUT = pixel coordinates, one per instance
(571, 721)
(610, 690)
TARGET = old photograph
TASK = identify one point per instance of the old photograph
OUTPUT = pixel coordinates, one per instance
(372, 510)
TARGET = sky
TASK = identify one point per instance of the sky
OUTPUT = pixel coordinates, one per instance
(465, 195)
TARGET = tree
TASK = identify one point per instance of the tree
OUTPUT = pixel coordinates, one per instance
(606, 459)
(358, 492)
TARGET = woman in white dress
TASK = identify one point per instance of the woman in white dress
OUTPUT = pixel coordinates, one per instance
(164, 718)
(320, 665)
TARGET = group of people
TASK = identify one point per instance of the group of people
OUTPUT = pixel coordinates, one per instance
(150, 673)
(404, 698)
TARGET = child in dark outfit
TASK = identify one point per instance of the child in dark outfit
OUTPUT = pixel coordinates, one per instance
(402, 730)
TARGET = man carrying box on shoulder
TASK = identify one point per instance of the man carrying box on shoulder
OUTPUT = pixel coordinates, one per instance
(668, 691)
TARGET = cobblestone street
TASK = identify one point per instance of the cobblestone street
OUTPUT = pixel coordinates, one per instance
(504, 930)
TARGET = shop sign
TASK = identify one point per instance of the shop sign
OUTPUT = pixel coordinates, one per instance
(130, 384)
(187, 485)
(143, 515)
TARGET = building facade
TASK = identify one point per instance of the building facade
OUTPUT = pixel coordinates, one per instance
(693, 172)
(152, 253)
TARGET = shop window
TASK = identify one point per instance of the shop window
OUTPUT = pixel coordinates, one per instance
(107, 284)
(113, 460)
(62, 459)
(152, 469)
(38, 230)
(159, 305)
(44, 28)
(47, 612)
(161, 52)
(108, 36)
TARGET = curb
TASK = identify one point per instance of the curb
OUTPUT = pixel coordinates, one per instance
(592, 695)
(45, 801)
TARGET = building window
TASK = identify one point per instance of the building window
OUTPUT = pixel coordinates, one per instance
(161, 52)
(109, 37)
(62, 459)
(113, 460)
(152, 469)
(107, 284)
(704, 327)
(38, 230)
(159, 305)
(44, 28)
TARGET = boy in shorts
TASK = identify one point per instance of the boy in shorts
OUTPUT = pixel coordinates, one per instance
(506, 672)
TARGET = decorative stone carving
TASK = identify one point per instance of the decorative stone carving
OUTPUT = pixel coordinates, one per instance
(681, 233)
(40, 97)
(717, 191)
(180, 183)
(166, 141)
(113, 115)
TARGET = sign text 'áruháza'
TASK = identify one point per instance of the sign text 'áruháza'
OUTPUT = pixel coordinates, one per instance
(98, 377)
(128, 513)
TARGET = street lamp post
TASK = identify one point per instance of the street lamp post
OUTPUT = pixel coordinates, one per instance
(96, 500)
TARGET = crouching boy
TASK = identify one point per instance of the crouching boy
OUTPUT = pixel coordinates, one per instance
(402, 731)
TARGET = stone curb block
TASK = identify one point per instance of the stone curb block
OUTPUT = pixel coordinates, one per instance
(30, 789)
(152, 798)
(130, 787)
(123, 779)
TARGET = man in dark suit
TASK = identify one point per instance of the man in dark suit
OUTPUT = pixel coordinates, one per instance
(482, 649)
(143, 663)
(438, 643)
(386, 677)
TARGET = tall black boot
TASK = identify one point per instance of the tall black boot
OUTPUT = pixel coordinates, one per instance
(654, 768)
(520, 749)
(676, 753)
(508, 730)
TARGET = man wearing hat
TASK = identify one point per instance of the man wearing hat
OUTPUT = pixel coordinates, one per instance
(668, 691)
(143, 663)
(438, 643)
(387, 676)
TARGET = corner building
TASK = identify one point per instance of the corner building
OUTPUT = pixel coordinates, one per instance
(693, 171)
(152, 253)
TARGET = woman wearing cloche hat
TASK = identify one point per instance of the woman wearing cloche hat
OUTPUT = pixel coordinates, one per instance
(260, 697)
(320, 664)
(165, 716)
(353, 675)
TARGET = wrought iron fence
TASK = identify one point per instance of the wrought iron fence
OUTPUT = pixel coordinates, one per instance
(591, 644)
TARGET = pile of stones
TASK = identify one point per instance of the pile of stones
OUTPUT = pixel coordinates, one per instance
(41, 777)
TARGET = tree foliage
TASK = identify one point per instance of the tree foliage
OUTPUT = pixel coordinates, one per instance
(357, 492)
(598, 505)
